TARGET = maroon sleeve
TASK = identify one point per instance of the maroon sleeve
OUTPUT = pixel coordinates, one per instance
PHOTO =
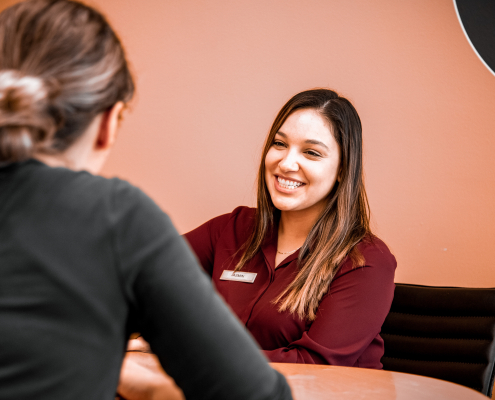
(203, 240)
(349, 317)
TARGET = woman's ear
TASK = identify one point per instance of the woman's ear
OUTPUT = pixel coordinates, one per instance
(108, 127)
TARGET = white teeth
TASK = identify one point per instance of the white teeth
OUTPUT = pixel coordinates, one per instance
(286, 184)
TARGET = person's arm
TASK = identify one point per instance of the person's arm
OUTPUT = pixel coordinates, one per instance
(198, 341)
(349, 317)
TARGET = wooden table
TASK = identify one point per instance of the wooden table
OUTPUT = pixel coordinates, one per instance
(318, 382)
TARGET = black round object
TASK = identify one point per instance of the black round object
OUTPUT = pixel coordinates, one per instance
(477, 18)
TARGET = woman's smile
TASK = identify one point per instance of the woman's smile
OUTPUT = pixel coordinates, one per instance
(286, 185)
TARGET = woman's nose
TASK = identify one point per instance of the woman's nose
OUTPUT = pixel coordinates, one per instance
(289, 162)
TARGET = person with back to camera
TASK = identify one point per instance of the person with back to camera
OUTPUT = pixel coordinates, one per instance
(84, 260)
(303, 271)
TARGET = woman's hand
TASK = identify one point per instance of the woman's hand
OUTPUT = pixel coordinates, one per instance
(142, 377)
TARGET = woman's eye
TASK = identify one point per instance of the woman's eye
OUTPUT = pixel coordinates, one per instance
(278, 143)
(313, 153)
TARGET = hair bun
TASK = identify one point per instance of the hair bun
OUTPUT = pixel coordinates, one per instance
(27, 118)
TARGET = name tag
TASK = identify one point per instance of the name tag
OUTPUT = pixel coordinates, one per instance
(238, 276)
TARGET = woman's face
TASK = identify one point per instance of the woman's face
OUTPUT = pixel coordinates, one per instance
(303, 163)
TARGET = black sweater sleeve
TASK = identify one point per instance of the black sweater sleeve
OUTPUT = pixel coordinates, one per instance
(198, 340)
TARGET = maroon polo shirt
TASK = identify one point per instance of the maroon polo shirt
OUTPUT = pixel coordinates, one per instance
(349, 318)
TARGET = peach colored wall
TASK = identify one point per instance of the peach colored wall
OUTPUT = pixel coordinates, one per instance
(213, 74)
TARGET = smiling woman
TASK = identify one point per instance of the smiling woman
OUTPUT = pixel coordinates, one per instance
(321, 283)
(301, 169)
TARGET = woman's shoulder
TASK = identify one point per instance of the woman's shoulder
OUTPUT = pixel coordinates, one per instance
(241, 213)
(241, 217)
(374, 249)
(376, 253)
(61, 178)
(81, 190)
(229, 229)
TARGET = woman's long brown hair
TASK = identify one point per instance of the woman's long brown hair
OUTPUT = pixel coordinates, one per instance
(342, 224)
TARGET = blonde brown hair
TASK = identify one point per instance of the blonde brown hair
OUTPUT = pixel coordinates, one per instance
(343, 223)
(61, 64)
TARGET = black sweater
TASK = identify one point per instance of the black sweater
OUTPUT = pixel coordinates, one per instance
(85, 261)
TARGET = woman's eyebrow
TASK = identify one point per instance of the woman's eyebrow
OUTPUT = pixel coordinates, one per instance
(313, 141)
(309, 141)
